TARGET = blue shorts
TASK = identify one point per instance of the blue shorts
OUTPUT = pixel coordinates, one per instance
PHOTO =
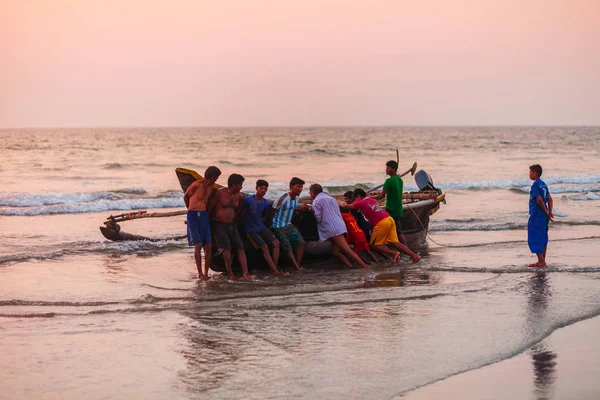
(198, 228)
(537, 233)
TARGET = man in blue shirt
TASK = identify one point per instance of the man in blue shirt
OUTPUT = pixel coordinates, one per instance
(540, 213)
(256, 210)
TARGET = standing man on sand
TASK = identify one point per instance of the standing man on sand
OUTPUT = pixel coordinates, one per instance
(282, 211)
(224, 209)
(331, 225)
(196, 200)
(392, 191)
(540, 214)
(256, 211)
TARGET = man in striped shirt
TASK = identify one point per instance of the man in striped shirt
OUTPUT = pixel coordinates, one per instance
(331, 225)
(282, 211)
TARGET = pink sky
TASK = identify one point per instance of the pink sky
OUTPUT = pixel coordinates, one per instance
(76, 63)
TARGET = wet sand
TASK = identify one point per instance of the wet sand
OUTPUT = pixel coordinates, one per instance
(565, 365)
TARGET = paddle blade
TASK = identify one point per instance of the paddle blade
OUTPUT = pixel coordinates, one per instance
(413, 169)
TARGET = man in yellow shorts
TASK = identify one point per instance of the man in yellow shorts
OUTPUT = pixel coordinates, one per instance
(384, 227)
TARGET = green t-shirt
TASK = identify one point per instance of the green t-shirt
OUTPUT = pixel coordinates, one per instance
(393, 198)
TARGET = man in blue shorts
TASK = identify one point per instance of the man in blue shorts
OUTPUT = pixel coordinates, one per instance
(282, 212)
(196, 200)
(540, 213)
(256, 211)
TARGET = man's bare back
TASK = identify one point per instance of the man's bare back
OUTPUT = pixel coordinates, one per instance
(197, 195)
(225, 205)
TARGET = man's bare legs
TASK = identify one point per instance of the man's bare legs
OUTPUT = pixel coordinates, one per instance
(340, 243)
(402, 247)
(299, 255)
(275, 252)
(198, 258)
(395, 255)
(227, 259)
(335, 250)
(370, 253)
(265, 250)
(541, 260)
(207, 258)
(244, 264)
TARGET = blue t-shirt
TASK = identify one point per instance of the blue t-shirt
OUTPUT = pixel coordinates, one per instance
(255, 211)
(538, 188)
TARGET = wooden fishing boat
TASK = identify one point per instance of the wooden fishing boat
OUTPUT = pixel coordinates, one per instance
(418, 208)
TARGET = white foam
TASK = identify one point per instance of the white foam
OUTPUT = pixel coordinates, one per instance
(101, 205)
(523, 184)
(586, 196)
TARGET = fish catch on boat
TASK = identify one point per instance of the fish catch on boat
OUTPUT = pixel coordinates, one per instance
(418, 207)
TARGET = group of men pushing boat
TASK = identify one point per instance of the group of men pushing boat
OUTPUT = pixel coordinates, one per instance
(213, 217)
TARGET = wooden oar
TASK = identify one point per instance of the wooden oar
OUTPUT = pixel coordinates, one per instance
(141, 214)
(411, 170)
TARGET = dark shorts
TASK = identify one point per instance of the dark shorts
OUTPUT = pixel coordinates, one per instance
(261, 238)
(226, 236)
(288, 237)
(537, 233)
(198, 228)
(397, 220)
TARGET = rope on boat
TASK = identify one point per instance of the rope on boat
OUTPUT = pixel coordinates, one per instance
(425, 230)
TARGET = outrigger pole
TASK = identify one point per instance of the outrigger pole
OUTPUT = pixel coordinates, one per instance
(141, 214)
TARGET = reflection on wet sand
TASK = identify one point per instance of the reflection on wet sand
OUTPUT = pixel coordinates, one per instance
(543, 359)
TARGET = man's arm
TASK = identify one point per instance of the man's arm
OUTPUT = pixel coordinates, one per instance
(186, 196)
(318, 211)
(212, 202)
(550, 206)
(540, 202)
(380, 195)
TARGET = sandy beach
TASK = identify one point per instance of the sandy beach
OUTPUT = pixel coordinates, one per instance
(563, 366)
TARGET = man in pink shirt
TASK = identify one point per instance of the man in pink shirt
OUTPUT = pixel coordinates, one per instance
(384, 227)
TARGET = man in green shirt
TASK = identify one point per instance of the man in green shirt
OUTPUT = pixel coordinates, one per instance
(392, 191)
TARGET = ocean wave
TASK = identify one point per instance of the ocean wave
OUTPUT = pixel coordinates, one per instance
(48, 199)
(51, 199)
(521, 184)
(140, 247)
(97, 206)
(445, 226)
(560, 190)
(587, 196)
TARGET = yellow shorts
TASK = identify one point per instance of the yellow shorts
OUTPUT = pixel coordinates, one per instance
(384, 232)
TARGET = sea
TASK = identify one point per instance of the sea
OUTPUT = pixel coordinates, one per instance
(83, 317)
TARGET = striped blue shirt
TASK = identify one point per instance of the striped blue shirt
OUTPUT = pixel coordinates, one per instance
(284, 208)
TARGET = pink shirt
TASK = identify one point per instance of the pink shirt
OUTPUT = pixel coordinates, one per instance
(371, 210)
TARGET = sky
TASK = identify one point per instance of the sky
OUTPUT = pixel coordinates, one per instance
(121, 63)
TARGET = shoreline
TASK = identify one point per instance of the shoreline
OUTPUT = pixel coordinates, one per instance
(565, 365)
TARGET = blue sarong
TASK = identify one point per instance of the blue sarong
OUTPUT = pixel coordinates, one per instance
(537, 233)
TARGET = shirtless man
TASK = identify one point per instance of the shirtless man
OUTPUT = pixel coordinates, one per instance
(196, 200)
(224, 209)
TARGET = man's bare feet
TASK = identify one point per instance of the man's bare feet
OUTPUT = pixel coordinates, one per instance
(279, 273)
(396, 257)
(233, 277)
(537, 265)
(248, 276)
(203, 277)
(416, 259)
